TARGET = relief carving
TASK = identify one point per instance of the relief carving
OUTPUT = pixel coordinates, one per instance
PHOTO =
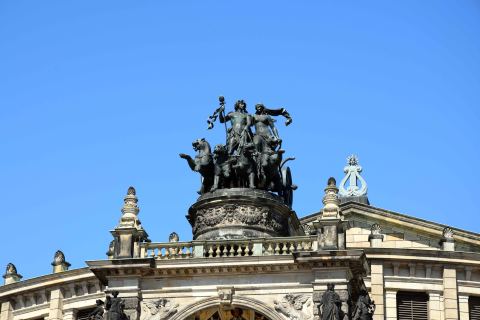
(231, 214)
(295, 307)
(158, 309)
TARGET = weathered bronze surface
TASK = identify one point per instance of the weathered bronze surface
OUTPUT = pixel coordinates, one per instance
(247, 159)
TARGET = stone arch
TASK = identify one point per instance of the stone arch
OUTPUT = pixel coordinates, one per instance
(238, 301)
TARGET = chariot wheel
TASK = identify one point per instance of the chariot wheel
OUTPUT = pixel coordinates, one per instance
(287, 186)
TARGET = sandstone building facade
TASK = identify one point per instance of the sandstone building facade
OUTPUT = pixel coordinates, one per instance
(411, 268)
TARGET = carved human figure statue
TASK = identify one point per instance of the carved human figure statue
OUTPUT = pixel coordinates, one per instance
(115, 307)
(330, 304)
(268, 144)
(97, 313)
(265, 130)
(364, 307)
(239, 134)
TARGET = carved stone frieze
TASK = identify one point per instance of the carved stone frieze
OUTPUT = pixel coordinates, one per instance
(158, 309)
(241, 213)
(295, 307)
(236, 214)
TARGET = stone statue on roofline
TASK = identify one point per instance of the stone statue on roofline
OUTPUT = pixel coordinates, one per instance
(248, 159)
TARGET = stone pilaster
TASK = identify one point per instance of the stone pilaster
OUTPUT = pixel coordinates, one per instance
(132, 308)
(56, 305)
(450, 293)
(6, 311)
(463, 307)
(70, 314)
(434, 306)
(377, 293)
(390, 305)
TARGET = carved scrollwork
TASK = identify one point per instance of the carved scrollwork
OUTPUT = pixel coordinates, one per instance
(295, 307)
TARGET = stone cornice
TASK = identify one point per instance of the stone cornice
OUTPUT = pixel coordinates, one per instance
(422, 255)
(425, 226)
(50, 280)
(149, 267)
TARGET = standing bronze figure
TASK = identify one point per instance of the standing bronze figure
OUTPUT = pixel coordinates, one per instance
(115, 307)
(239, 134)
(330, 304)
(97, 313)
(364, 308)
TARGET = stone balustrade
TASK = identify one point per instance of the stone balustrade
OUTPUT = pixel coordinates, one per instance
(167, 250)
(228, 248)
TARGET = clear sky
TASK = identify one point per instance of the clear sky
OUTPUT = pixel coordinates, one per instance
(96, 96)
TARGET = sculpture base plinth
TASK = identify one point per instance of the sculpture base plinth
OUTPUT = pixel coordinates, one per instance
(240, 213)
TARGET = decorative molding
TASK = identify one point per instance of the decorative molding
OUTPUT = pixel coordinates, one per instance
(237, 214)
(295, 307)
(158, 309)
(225, 294)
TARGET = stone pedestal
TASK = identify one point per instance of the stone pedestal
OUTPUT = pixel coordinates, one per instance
(242, 213)
(331, 233)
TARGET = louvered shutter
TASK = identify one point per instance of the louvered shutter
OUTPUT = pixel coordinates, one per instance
(474, 308)
(412, 306)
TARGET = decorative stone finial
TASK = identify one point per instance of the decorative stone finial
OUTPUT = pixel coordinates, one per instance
(129, 233)
(59, 263)
(130, 210)
(447, 242)
(353, 177)
(173, 237)
(376, 236)
(375, 229)
(11, 275)
(331, 210)
(447, 233)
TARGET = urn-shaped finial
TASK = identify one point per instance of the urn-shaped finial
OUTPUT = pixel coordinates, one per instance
(130, 209)
(331, 210)
(59, 263)
(11, 275)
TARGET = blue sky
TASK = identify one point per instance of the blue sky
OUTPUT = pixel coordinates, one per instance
(97, 96)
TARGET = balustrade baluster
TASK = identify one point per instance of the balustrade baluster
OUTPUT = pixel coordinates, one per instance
(270, 248)
(210, 251)
(277, 248)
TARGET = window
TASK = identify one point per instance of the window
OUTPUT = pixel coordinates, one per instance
(83, 314)
(412, 306)
(474, 308)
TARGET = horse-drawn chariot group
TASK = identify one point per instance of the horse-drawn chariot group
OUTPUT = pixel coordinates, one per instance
(248, 159)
